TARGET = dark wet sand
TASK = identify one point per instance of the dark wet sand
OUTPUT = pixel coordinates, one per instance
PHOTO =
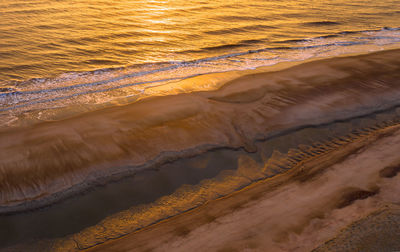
(327, 186)
(296, 211)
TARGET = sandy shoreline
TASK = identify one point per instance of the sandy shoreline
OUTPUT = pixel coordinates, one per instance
(321, 189)
(58, 158)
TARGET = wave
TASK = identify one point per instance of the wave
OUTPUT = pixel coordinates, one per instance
(40, 94)
(322, 23)
(257, 41)
(240, 29)
(225, 46)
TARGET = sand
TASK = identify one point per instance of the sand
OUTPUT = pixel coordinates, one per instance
(46, 162)
(325, 189)
(287, 214)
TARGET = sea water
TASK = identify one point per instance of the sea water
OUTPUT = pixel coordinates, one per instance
(80, 55)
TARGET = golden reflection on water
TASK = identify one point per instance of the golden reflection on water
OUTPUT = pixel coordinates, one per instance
(80, 55)
(42, 38)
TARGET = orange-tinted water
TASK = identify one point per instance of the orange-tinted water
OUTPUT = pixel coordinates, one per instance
(76, 54)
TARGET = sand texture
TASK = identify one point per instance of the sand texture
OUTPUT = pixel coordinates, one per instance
(46, 162)
(339, 194)
(296, 211)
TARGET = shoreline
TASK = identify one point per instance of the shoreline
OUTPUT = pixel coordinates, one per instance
(277, 102)
(206, 115)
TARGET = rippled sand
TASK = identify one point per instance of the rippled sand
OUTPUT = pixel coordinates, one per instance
(321, 189)
(296, 211)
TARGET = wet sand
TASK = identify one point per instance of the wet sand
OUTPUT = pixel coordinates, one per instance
(45, 162)
(321, 189)
(296, 211)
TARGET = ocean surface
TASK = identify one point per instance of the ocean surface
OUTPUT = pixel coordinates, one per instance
(79, 55)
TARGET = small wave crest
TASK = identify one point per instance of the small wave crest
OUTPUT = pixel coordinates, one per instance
(321, 23)
(240, 29)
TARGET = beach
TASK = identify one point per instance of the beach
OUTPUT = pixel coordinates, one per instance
(192, 125)
(314, 147)
(297, 211)
(170, 127)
